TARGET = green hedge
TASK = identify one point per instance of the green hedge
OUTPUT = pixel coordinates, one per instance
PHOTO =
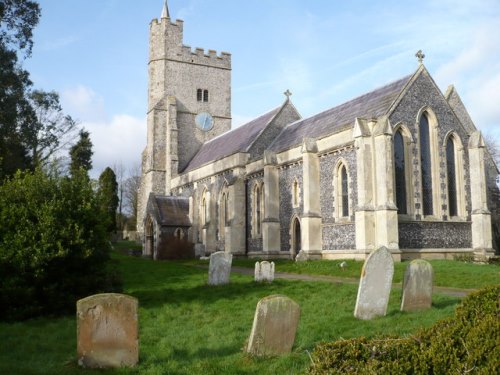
(468, 342)
(54, 248)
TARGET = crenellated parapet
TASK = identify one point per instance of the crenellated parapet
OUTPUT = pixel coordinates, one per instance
(167, 43)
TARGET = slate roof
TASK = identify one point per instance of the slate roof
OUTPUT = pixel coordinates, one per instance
(369, 105)
(170, 210)
(231, 142)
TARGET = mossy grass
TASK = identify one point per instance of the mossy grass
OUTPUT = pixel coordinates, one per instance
(187, 327)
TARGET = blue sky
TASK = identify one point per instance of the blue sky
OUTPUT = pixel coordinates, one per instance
(95, 53)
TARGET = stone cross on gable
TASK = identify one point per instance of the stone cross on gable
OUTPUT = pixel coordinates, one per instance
(287, 93)
(420, 56)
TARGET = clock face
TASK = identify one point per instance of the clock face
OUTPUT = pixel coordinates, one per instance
(204, 121)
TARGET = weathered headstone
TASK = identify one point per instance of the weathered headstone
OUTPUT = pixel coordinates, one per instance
(219, 268)
(375, 285)
(199, 250)
(274, 326)
(264, 271)
(107, 331)
(301, 257)
(417, 286)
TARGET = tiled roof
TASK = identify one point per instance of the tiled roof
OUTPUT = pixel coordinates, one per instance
(173, 211)
(236, 140)
(370, 105)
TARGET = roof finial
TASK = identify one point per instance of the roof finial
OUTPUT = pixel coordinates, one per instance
(164, 12)
(420, 56)
(287, 93)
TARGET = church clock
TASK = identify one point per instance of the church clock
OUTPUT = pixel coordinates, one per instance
(204, 121)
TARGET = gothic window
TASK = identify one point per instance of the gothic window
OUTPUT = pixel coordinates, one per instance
(223, 212)
(426, 165)
(258, 210)
(199, 95)
(341, 191)
(205, 96)
(400, 174)
(345, 192)
(295, 194)
(204, 209)
(452, 178)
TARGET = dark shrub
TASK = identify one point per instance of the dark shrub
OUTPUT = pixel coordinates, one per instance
(53, 246)
(464, 343)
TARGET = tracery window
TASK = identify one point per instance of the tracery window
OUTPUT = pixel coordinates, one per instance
(426, 165)
(345, 192)
(258, 210)
(452, 178)
(295, 194)
(400, 173)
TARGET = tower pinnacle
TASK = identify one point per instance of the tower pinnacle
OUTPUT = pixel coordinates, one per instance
(165, 13)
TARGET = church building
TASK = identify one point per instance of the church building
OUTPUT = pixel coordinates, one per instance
(402, 166)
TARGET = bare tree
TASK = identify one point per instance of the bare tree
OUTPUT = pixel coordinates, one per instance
(493, 145)
(119, 170)
(131, 192)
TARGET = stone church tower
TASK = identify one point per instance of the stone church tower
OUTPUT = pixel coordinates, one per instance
(189, 103)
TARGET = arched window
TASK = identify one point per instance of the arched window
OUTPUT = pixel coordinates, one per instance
(257, 210)
(204, 209)
(295, 194)
(400, 173)
(223, 212)
(452, 178)
(426, 165)
(345, 192)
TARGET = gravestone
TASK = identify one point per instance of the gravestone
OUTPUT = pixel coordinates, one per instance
(375, 285)
(107, 331)
(219, 268)
(264, 271)
(274, 326)
(417, 286)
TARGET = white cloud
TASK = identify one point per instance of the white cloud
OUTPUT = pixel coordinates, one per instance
(83, 103)
(120, 140)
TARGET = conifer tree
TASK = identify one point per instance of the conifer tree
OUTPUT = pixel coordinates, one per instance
(108, 197)
(81, 153)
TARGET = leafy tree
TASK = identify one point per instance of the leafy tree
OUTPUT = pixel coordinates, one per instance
(81, 154)
(53, 245)
(131, 194)
(17, 21)
(108, 198)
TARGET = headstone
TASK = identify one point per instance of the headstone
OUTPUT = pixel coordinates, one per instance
(219, 268)
(375, 285)
(264, 271)
(199, 250)
(301, 257)
(417, 286)
(274, 326)
(107, 331)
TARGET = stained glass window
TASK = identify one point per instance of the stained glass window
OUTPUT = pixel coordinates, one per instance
(399, 166)
(426, 165)
(452, 178)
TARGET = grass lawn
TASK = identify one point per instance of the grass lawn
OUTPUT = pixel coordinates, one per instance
(447, 273)
(187, 327)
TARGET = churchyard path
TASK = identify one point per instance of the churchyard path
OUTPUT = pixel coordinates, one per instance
(452, 292)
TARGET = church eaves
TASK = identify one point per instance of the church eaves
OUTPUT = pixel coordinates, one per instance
(370, 105)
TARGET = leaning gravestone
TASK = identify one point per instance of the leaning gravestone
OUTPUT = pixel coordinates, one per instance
(107, 333)
(219, 268)
(274, 326)
(264, 271)
(375, 285)
(417, 286)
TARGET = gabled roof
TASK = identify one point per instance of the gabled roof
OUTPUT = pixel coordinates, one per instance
(170, 210)
(231, 142)
(369, 105)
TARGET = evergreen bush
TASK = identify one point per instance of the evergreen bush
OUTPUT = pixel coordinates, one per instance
(53, 245)
(468, 342)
